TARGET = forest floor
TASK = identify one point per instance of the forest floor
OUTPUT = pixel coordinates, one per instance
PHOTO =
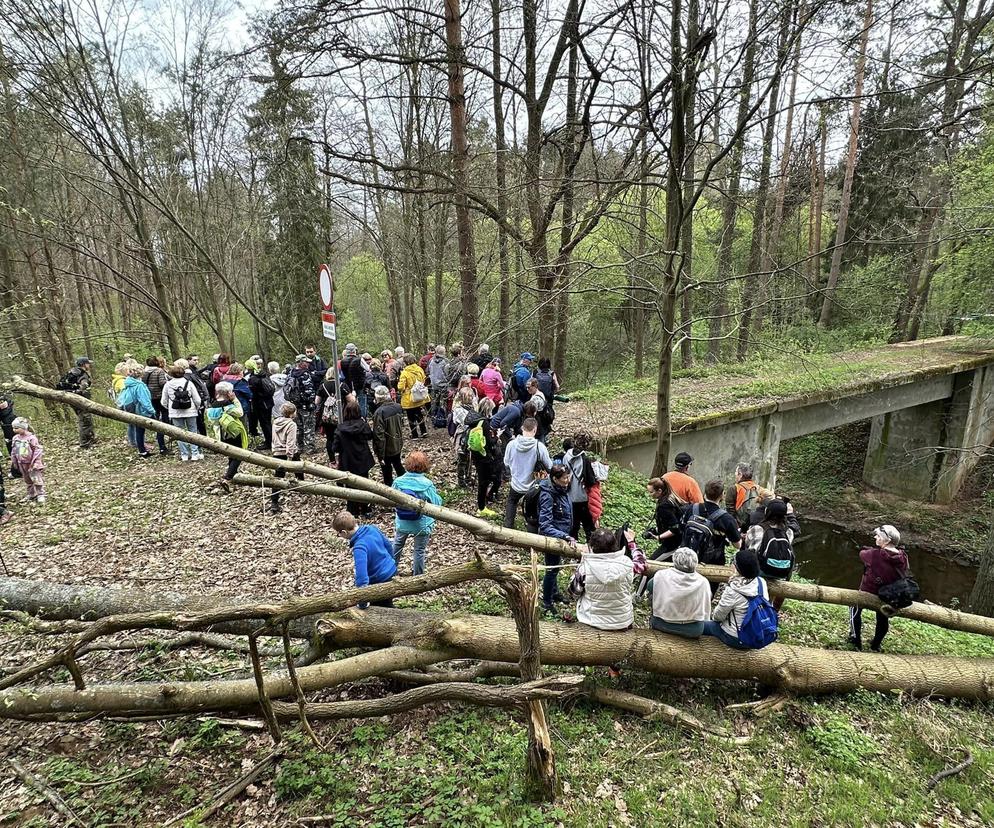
(613, 409)
(113, 519)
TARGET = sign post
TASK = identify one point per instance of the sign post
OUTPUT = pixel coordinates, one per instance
(326, 287)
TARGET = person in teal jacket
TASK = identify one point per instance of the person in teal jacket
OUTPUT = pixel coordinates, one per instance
(408, 522)
(372, 553)
(135, 398)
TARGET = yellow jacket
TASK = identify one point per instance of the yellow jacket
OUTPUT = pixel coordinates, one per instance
(117, 383)
(405, 382)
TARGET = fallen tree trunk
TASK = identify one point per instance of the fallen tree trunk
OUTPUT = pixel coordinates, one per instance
(200, 696)
(369, 491)
(794, 669)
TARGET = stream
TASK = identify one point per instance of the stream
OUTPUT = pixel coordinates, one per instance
(829, 554)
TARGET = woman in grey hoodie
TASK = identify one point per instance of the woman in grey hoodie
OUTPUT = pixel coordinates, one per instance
(728, 616)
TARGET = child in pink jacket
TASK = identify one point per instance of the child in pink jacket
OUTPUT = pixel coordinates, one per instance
(26, 453)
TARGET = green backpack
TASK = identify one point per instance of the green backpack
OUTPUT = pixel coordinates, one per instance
(476, 440)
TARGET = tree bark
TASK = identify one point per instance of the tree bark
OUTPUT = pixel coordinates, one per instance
(500, 173)
(835, 269)
(460, 172)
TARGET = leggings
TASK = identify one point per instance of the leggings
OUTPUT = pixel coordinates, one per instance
(582, 518)
(416, 417)
(487, 485)
(856, 626)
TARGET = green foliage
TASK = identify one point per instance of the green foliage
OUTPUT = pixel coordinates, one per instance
(626, 500)
(838, 741)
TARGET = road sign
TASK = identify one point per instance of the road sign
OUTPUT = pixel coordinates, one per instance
(327, 287)
(328, 325)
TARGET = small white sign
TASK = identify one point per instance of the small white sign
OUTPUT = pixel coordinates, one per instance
(329, 330)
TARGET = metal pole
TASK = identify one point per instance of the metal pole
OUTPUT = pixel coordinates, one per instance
(338, 382)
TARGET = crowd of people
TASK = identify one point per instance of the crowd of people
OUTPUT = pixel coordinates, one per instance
(370, 409)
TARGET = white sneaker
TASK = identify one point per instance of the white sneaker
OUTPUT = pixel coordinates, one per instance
(41, 499)
(184, 459)
(197, 457)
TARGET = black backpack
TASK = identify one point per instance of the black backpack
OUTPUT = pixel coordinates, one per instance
(70, 382)
(181, 397)
(901, 593)
(530, 502)
(699, 534)
(775, 553)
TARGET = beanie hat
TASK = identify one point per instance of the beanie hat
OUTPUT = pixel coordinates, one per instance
(776, 510)
(746, 563)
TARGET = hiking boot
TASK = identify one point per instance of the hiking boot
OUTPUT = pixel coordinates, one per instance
(855, 643)
(272, 509)
(144, 454)
(225, 485)
(5, 517)
(875, 646)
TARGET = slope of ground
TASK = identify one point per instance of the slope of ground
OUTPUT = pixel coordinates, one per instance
(116, 520)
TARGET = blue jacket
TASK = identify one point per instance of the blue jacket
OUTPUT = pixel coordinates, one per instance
(555, 512)
(243, 392)
(509, 416)
(136, 398)
(521, 375)
(373, 556)
(420, 486)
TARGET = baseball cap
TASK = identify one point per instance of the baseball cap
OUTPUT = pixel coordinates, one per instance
(776, 509)
(683, 459)
(302, 358)
(528, 356)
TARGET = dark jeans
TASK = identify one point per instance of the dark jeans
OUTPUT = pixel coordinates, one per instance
(487, 485)
(511, 507)
(416, 417)
(261, 419)
(689, 629)
(856, 626)
(550, 580)
(233, 464)
(390, 464)
(582, 517)
(714, 628)
(162, 415)
(329, 430)
(358, 509)
(274, 498)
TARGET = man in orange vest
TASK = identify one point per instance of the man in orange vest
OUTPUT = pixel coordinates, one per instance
(746, 495)
(683, 485)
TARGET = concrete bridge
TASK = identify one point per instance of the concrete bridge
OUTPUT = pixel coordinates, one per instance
(931, 423)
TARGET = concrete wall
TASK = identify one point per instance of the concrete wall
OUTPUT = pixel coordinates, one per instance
(716, 451)
(925, 436)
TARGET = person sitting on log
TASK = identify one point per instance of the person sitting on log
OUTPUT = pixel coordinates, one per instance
(883, 563)
(730, 615)
(372, 553)
(602, 584)
(681, 597)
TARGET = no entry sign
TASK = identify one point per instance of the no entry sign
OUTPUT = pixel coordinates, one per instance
(326, 286)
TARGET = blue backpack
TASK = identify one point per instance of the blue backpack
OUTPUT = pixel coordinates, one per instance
(403, 513)
(759, 627)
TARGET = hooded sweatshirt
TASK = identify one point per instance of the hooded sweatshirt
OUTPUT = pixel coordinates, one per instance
(417, 485)
(136, 398)
(284, 436)
(734, 602)
(521, 456)
(680, 597)
(279, 380)
(881, 567)
(372, 553)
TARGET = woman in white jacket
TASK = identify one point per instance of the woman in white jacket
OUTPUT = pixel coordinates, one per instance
(730, 613)
(182, 401)
(681, 597)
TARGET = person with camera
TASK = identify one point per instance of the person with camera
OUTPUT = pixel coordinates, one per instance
(884, 563)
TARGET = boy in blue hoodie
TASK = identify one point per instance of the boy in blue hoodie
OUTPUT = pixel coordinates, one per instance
(410, 522)
(372, 553)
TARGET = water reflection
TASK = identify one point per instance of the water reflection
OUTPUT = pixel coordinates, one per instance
(830, 556)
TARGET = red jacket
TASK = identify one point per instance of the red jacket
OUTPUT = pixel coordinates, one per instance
(595, 502)
(882, 566)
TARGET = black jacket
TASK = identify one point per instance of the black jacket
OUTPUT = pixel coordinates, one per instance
(355, 376)
(198, 382)
(668, 518)
(351, 445)
(318, 369)
(262, 391)
(388, 429)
